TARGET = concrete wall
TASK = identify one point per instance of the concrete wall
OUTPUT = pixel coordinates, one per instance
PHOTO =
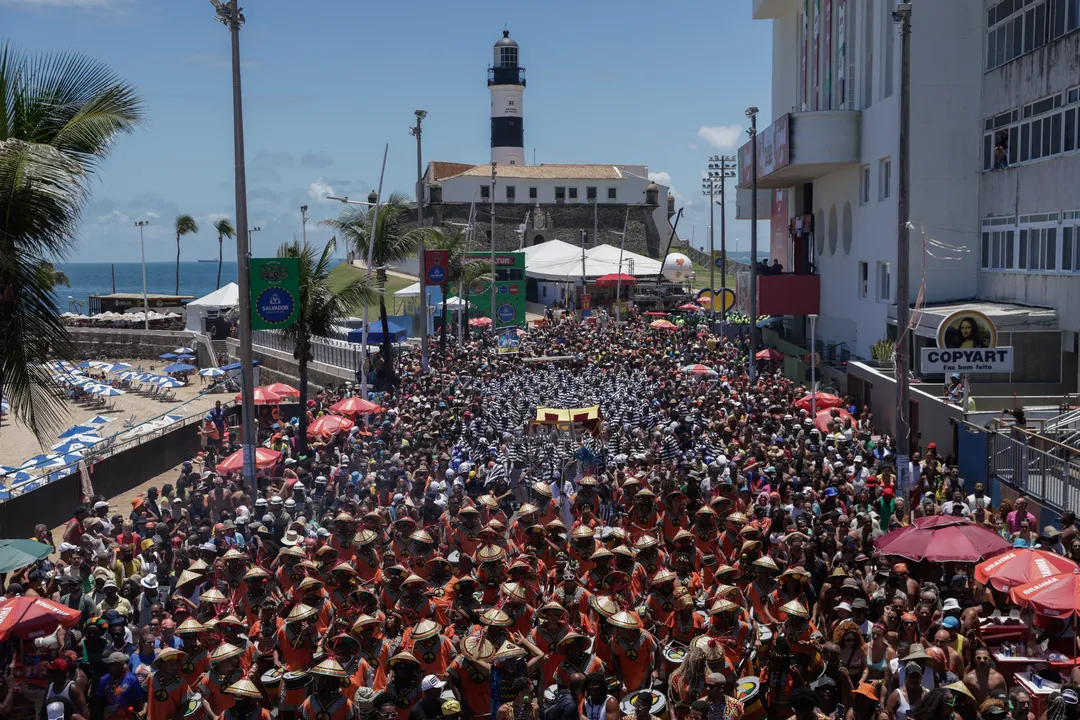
(629, 189)
(106, 343)
(53, 503)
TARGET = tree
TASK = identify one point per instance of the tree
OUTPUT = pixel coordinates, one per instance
(321, 307)
(460, 266)
(394, 242)
(59, 277)
(224, 230)
(60, 114)
(472, 274)
(184, 225)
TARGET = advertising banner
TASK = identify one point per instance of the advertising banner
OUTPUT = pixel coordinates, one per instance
(827, 103)
(509, 289)
(841, 54)
(436, 266)
(508, 342)
(967, 343)
(778, 217)
(275, 292)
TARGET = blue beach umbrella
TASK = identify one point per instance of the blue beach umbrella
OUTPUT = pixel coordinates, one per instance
(178, 367)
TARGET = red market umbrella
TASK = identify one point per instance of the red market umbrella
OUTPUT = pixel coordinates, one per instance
(355, 406)
(615, 279)
(690, 307)
(264, 458)
(942, 538)
(662, 325)
(480, 322)
(698, 369)
(705, 300)
(283, 390)
(769, 354)
(654, 313)
(824, 401)
(1022, 566)
(31, 617)
(1056, 596)
(329, 425)
(824, 417)
(263, 396)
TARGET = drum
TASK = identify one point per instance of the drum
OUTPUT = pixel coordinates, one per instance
(765, 640)
(748, 691)
(674, 655)
(295, 689)
(296, 680)
(550, 692)
(271, 682)
(193, 707)
(659, 703)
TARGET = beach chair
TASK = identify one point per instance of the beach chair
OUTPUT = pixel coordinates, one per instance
(129, 421)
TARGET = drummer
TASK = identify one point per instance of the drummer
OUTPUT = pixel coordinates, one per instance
(636, 655)
(573, 657)
(684, 624)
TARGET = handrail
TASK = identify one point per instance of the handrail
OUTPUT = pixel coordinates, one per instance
(1043, 438)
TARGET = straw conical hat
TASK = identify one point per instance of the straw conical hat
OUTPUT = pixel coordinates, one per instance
(330, 668)
(496, 618)
(224, 651)
(422, 536)
(301, 612)
(256, 573)
(189, 626)
(403, 656)
(513, 590)
(508, 651)
(186, 577)
(365, 537)
(490, 553)
(168, 653)
(767, 563)
(426, 629)
(722, 606)
(478, 648)
(309, 583)
(663, 575)
(233, 554)
(198, 566)
(623, 619)
(343, 567)
(244, 688)
(604, 604)
(214, 596)
(542, 488)
(528, 509)
(795, 608)
(645, 542)
(363, 621)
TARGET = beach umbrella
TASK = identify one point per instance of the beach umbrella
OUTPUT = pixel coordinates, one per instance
(116, 367)
(355, 406)
(167, 356)
(1056, 595)
(264, 458)
(698, 369)
(178, 368)
(10, 473)
(769, 354)
(99, 420)
(480, 322)
(167, 382)
(34, 462)
(183, 350)
(212, 373)
(1021, 566)
(662, 325)
(107, 391)
(656, 313)
(27, 617)
(71, 446)
(824, 417)
(262, 396)
(283, 390)
(943, 538)
(690, 307)
(87, 429)
(19, 553)
(824, 401)
(329, 425)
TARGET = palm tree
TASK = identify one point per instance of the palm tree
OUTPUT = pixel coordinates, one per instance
(224, 230)
(320, 308)
(456, 244)
(394, 242)
(185, 225)
(473, 274)
(59, 277)
(59, 117)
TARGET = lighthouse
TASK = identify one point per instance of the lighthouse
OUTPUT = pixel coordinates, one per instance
(506, 82)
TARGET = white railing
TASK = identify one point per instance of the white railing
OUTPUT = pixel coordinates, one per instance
(337, 353)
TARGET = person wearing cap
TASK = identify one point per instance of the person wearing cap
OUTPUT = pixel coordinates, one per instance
(904, 698)
(111, 599)
(59, 687)
(119, 691)
(430, 704)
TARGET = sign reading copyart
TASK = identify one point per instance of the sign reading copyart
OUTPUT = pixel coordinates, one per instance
(970, 360)
(275, 292)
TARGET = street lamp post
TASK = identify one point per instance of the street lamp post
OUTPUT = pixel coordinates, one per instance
(230, 16)
(252, 230)
(416, 131)
(813, 366)
(303, 222)
(751, 113)
(494, 325)
(721, 167)
(142, 248)
(902, 15)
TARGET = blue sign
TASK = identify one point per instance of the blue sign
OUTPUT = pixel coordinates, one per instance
(503, 289)
(436, 274)
(274, 305)
(506, 314)
(719, 263)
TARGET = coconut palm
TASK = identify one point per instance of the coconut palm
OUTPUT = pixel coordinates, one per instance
(224, 230)
(184, 225)
(59, 277)
(321, 306)
(60, 114)
(460, 265)
(394, 241)
(473, 274)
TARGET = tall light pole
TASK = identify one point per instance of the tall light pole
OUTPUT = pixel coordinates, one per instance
(721, 167)
(493, 272)
(230, 16)
(751, 112)
(142, 248)
(902, 15)
(303, 222)
(252, 230)
(416, 131)
(813, 366)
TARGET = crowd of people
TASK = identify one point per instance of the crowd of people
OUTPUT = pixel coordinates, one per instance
(705, 550)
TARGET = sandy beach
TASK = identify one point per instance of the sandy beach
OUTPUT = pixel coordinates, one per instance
(18, 443)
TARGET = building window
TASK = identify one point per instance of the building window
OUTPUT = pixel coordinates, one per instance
(511, 193)
(544, 291)
(1038, 249)
(1016, 27)
(884, 179)
(573, 193)
(508, 56)
(889, 43)
(884, 281)
(999, 249)
(864, 184)
(1036, 131)
(532, 193)
(560, 194)
(485, 192)
(864, 280)
(611, 193)
(590, 193)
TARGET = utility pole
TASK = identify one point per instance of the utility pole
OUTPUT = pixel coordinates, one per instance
(253, 230)
(303, 222)
(902, 15)
(595, 224)
(494, 320)
(618, 277)
(721, 167)
(751, 113)
(145, 303)
(581, 236)
(230, 16)
(416, 132)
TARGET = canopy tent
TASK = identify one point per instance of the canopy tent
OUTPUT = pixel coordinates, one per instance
(409, 292)
(224, 298)
(375, 335)
(558, 260)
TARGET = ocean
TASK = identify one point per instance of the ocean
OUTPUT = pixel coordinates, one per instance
(196, 279)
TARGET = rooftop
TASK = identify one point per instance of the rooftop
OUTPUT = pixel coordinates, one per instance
(437, 170)
(544, 172)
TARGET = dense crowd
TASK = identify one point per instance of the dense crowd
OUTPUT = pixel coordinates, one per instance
(705, 549)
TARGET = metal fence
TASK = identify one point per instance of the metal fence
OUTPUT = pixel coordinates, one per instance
(1037, 467)
(337, 353)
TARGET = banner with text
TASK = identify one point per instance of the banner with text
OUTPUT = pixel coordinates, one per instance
(275, 292)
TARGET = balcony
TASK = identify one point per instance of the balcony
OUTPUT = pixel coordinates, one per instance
(789, 294)
(802, 147)
(506, 76)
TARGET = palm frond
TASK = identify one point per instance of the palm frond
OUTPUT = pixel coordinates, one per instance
(186, 225)
(224, 228)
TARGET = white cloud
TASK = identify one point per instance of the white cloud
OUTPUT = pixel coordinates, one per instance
(114, 218)
(152, 215)
(319, 189)
(721, 137)
(692, 146)
(664, 178)
(660, 178)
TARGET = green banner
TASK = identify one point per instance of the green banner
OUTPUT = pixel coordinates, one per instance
(275, 292)
(509, 289)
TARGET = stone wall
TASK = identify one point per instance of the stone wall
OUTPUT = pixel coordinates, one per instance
(109, 343)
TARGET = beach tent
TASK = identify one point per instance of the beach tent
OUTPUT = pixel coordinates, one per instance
(375, 336)
(556, 260)
(223, 299)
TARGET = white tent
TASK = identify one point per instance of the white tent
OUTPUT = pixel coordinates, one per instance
(409, 292)
(223, 299)
(560, 261)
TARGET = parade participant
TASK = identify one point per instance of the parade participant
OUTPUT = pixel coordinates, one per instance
(599, 704)
(166, 687)
(327, 701)
(635, 653)
(404, 687)
(224, 670)
(469, 673)
(245, 706)
(572, 657)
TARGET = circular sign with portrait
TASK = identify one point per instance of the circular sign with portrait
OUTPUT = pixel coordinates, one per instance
(967, 329)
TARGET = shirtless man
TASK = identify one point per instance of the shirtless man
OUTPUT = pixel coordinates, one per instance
(942, 638)
(983, 678)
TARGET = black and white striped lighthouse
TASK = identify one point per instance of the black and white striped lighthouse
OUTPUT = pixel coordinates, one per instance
(506, 81)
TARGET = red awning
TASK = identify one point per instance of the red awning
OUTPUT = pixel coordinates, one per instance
(615, 279)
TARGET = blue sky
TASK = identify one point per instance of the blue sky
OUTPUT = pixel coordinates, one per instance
(325, 86)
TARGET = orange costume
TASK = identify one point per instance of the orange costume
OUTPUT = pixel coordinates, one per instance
(164, 698)
(635, 659)
(340, 708)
